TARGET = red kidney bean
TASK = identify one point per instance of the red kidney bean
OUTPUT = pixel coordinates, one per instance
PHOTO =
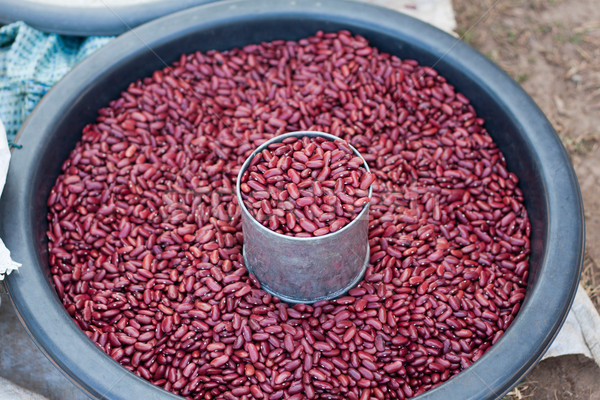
(145, 243)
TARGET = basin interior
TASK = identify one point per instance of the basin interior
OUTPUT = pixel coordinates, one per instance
(506, 132)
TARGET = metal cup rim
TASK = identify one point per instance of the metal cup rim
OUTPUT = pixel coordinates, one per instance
(280, 138)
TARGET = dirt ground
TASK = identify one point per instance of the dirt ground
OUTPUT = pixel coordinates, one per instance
(552, 48)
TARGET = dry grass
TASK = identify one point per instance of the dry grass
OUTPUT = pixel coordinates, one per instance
(590, 279)
(580, 145)
(524, 390)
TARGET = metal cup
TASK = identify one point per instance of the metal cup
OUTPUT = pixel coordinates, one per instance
(305, 270)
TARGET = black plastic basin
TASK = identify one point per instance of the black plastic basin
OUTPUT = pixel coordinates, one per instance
(531, 146)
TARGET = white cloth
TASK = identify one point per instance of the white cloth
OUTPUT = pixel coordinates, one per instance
(438, 13)
(10, 391)
(7, 265)
(580, 333)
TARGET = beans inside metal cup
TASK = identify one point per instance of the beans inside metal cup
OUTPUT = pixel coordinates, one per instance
(305, 269)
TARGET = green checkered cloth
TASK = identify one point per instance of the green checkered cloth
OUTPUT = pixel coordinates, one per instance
(31, 62)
